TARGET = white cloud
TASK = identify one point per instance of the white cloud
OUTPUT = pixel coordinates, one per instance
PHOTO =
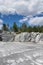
(22, 7)
(36, 21)
(1, 23)
(25, 19)
(27, 8)
(32, 20)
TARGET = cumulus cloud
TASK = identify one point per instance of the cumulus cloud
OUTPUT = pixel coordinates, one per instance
(23, 20)
(36, 21)
(1, 23)
(27, 8)
(32, 20)
(21, 7)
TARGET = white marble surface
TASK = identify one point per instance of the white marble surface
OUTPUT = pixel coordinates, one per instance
(20, 53)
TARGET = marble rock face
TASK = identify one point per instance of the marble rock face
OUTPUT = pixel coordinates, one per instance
(23, 37)
(8, 36)
(28, 37)
(41, 36)
(35, 37)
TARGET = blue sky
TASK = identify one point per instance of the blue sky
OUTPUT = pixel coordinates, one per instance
(21, 11)
(10, 19)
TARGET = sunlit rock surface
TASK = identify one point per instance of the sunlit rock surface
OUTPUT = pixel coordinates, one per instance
(26, 37)
(22, 37)
(20, 53)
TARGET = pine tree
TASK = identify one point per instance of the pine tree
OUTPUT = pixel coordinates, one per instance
(23, 27)
(5, 27)
(15, 28)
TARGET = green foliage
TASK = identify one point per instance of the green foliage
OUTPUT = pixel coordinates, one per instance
(23, 28)
(35, 29)
(41, 29)
(5, 28)
(29, 29)
(15, 28)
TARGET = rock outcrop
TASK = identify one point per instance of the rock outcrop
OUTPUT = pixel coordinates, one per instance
(8, 36)
(22, 37)
(27, 37)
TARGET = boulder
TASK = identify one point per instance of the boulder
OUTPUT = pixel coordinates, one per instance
(37, 38)
(7, 36)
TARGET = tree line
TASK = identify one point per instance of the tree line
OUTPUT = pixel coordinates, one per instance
(22, 28)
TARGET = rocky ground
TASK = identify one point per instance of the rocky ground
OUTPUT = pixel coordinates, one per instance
(19, 53)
